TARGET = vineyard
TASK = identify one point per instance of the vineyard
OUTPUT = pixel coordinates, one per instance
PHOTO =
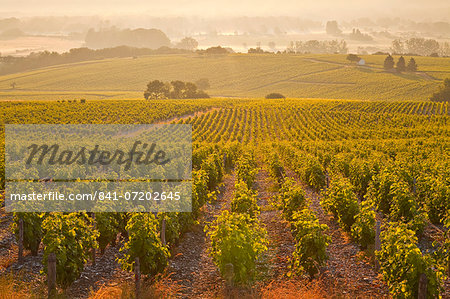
(234, 75)
(297, 198)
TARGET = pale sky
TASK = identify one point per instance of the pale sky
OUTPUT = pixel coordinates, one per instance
(430, 10)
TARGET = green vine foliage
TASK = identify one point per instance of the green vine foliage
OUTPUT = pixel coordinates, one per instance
(213, 166)
(291, 198)
(244, 200)
(275, 168)
(70, 237)
(341, 201)
(246, 169)
(310, 250)
(405, 207)
(144, 242)
(32, 230)
(363, 230)
(402, 263)
(379, 190)
(237, 239)
(108, 228)
(199, 191)
(438, 203)
(173, 226)
(313, 173)
(442, 255)
(360, 175)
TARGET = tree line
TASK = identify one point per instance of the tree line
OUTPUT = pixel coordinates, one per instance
(421, 46)
(315, 46)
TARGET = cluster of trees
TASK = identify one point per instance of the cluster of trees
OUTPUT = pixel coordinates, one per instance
(315, 46)
(216, 50)
(389, 64)
(13, 64)
(174, 90)
(187, 43)
(357, 35)
(113, 37)
(275, 95)
(421, 46)
(332, 28)
(257, 50)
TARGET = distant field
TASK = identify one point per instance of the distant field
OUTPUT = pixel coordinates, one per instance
(236, 75)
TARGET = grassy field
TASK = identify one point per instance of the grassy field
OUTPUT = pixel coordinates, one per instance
(235, 75)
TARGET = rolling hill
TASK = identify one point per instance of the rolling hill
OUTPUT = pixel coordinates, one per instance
(234, 75)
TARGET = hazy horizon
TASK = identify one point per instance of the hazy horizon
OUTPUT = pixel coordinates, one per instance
(419, 10)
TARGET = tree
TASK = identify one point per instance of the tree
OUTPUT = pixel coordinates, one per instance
(332, 28)
(443, 95)
(412, 66)
(191, 91)
(275, 95)
(358, 35)
(178, 89)
(156, 90)
(188, 43)
(353, 57)
(401, 65)
(389, 63)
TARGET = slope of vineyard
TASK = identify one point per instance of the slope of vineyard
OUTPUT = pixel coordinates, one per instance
(324, 172)
(234, 75)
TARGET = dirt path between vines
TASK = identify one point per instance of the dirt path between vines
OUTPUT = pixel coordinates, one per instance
(281, 243)
(191, 267)
(186, 116)
(349, 273)
(274, 267)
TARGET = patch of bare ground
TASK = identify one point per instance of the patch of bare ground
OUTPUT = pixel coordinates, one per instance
(275, 282)
(105, 273)
(281, 243)
(187, 116)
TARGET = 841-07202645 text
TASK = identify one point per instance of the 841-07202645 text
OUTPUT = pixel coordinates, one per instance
(98, 196)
